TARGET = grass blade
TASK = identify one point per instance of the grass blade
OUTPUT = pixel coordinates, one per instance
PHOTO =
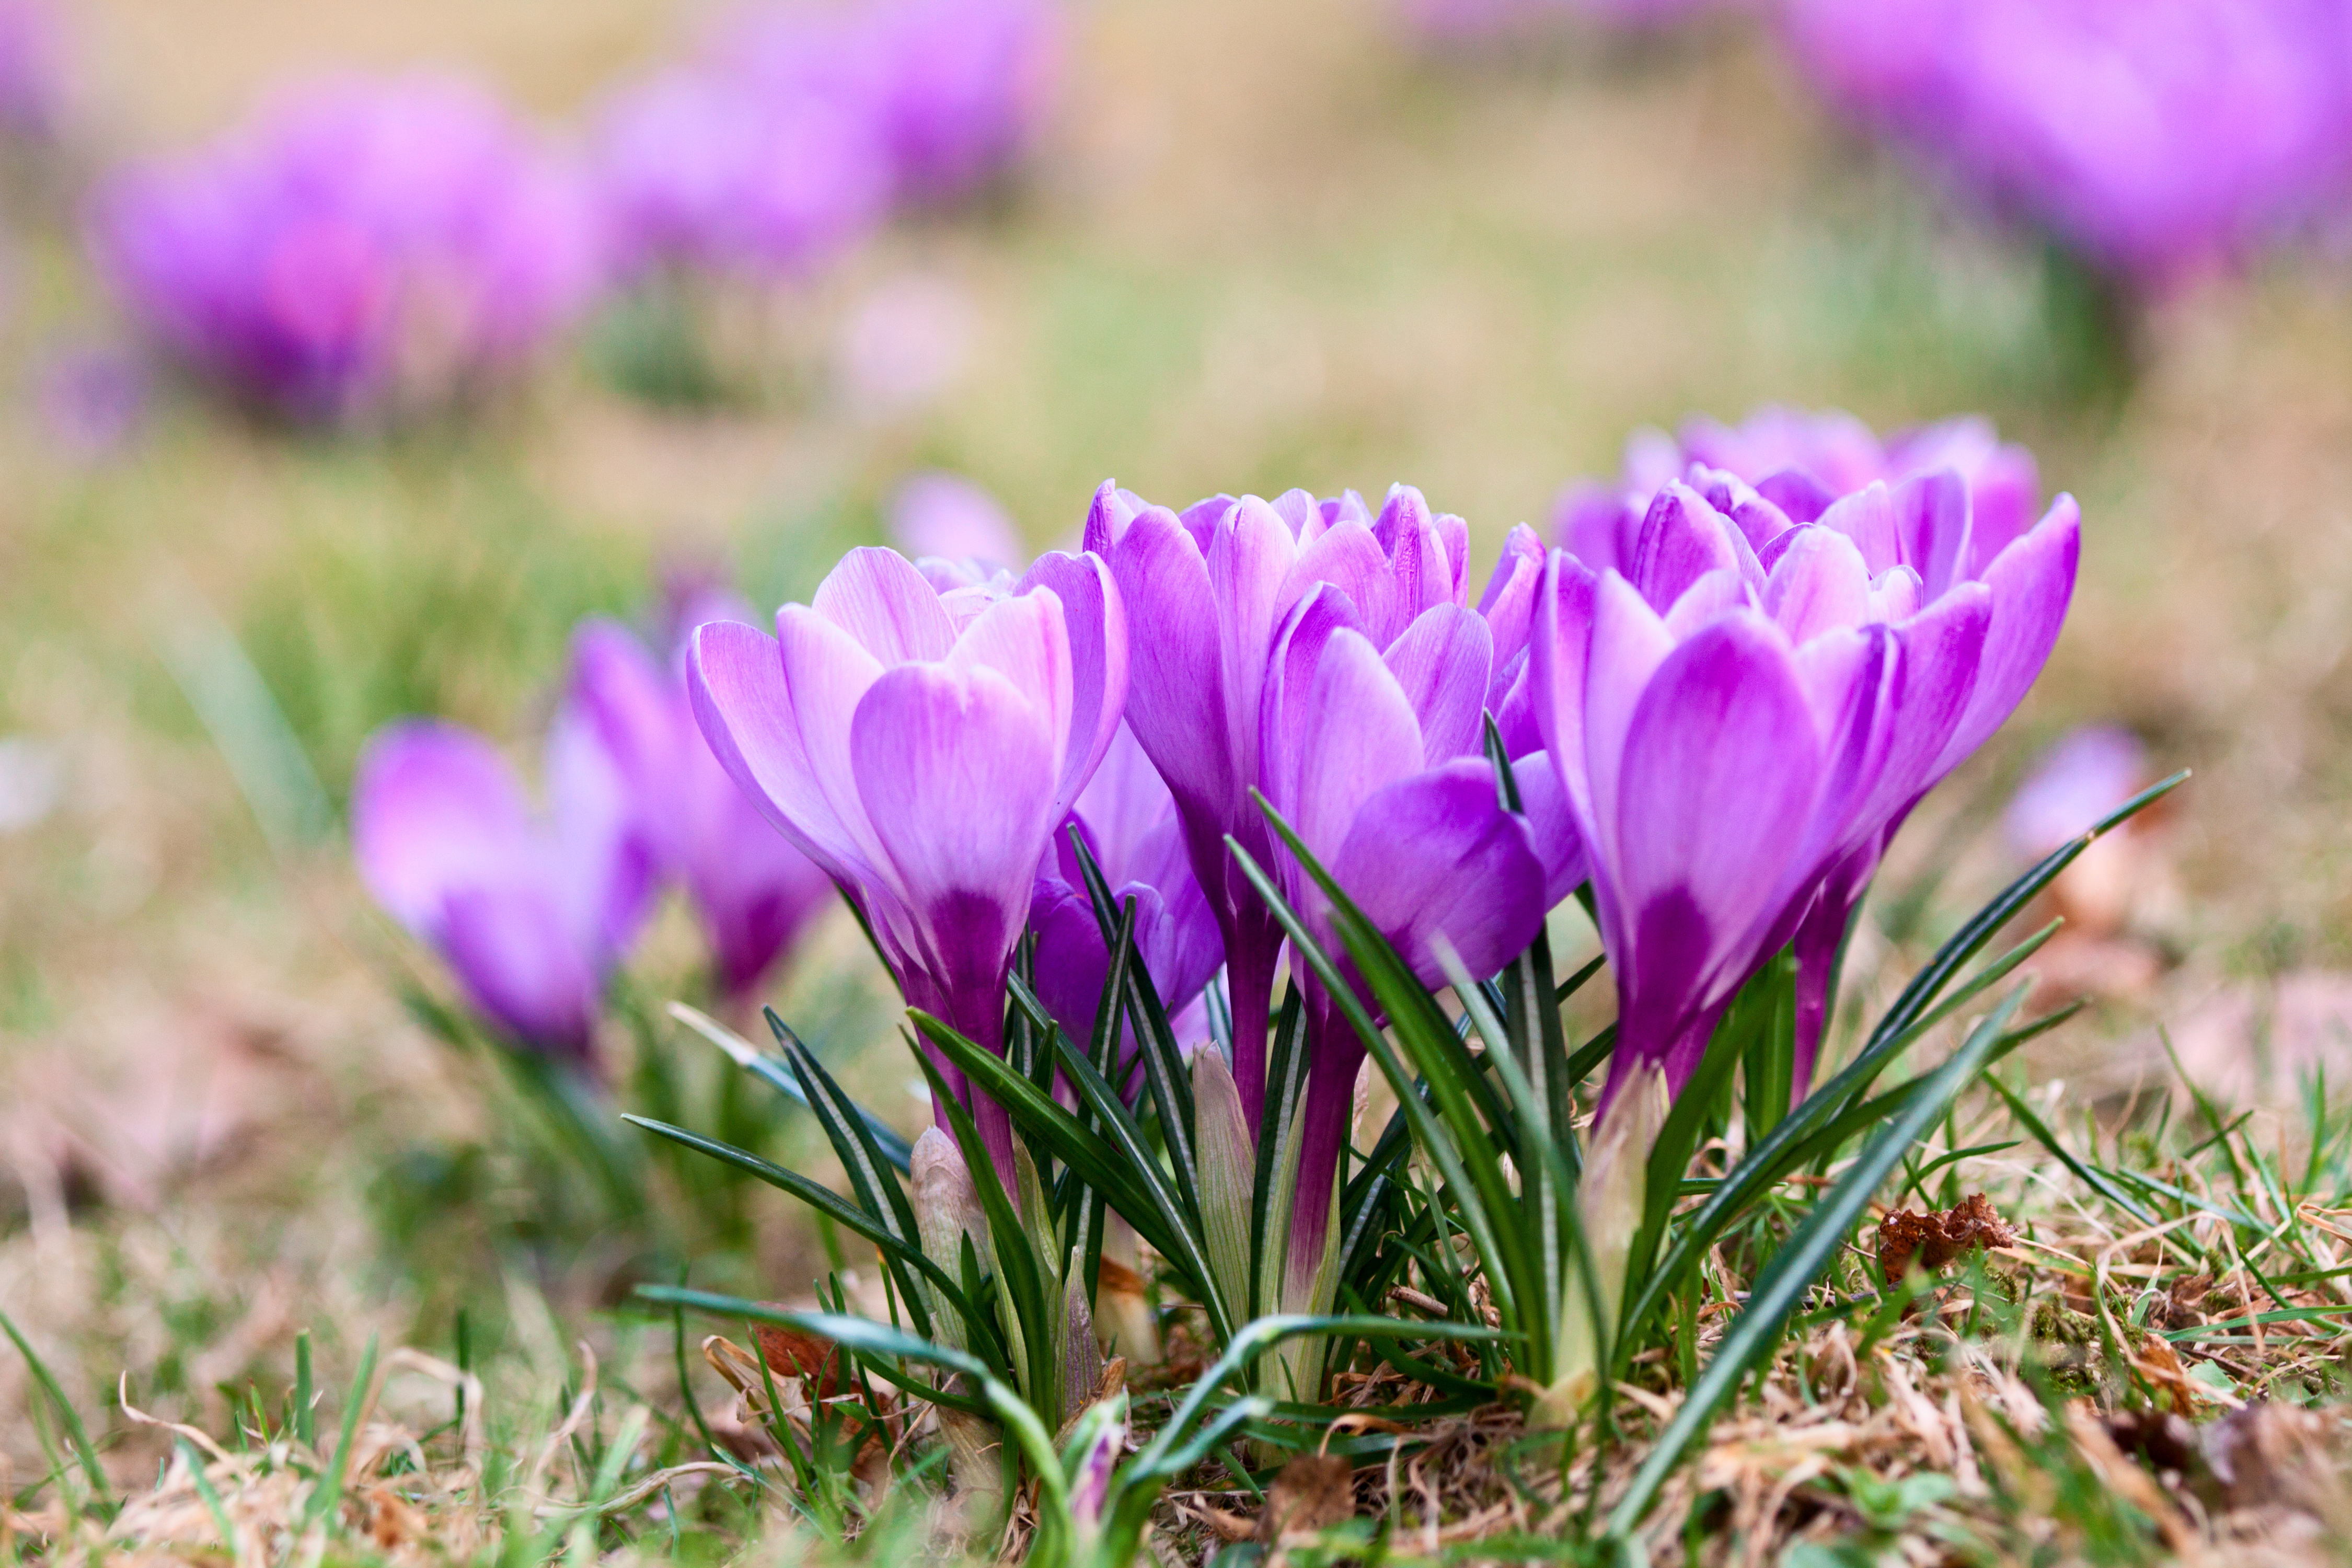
(84, 1449)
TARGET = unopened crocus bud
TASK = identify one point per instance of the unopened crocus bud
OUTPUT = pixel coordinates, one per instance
(947, 1210)
(1610, 1201)
(1100, 1438)
(1228, 1160)
(1082, 1361)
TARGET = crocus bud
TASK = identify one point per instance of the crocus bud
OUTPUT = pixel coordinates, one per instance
(947, 1209)
(1100, 1438)
(1228, 1159)
(1610, 1199)
(1082, 1361)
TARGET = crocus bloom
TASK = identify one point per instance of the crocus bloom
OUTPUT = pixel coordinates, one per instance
(363, 249)
(2156, 138)
(754, 892)
(1373, 755)
(1128, 821)
(1746, 709)
(698, 168)
(1209, 589)
(531, 913)
(924, 764)
(963, 85)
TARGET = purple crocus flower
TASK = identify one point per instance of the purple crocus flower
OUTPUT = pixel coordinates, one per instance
(32, 69)
(962, 87)
(531, 913)
(365, 249)
(1208, 590)
(754, 892)
(2156, 138)
(2086, 775)
(1373, 755)
(1128, 820)
(697, 167)
(1744, 709)
(924, 764)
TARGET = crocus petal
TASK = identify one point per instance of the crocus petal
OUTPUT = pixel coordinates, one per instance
(1720, 771)
(1629, 641)
(1094, 616)
(1682, 539)
(1441, 662)
(1551, 826)
(1177, 674)
(1357, 732)
(514, 954)
(432, 806)
(609, 866)
(1932, 519)
(1435, 855)
(1509, 605)
(750, 708)
(1820, 581)
(1869, 517)
(878, 597)
(957, 771)
(1027, 642)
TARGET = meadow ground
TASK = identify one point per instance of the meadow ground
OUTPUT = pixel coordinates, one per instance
(1265, 245)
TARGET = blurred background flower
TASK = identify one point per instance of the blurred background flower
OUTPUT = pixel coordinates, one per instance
(2156, 139)
(364, 250)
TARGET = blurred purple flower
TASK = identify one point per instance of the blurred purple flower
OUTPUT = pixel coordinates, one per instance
(922, 765)
(1209, 589)
(698, 168)
(91, 400)
(2086, 775)
(1744, 709)
(363, 249)
(2156, 138)
(946, 517)
(1128, 820)
(32, 69)
(754, 892)
(962, 87)
(904, 344)
(532, 914)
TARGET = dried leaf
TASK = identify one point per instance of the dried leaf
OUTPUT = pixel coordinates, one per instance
(1314, 1492)
(1934, 1240)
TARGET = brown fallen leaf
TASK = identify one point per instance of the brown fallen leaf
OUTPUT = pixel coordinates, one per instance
(1313, 1492)
(1933, 1240)
(790, 1353)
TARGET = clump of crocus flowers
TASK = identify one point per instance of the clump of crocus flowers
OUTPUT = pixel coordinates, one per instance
(1712, 712)
(362, 251)
(2156, 139)
(797, 128)
(534, 911)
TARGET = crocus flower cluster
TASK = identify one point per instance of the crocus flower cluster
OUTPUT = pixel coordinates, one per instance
(2156, 138)
(793, 134)
(533, 912)
(922, 748)
(363, 249)
(1717, 719)
(1888, 594)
